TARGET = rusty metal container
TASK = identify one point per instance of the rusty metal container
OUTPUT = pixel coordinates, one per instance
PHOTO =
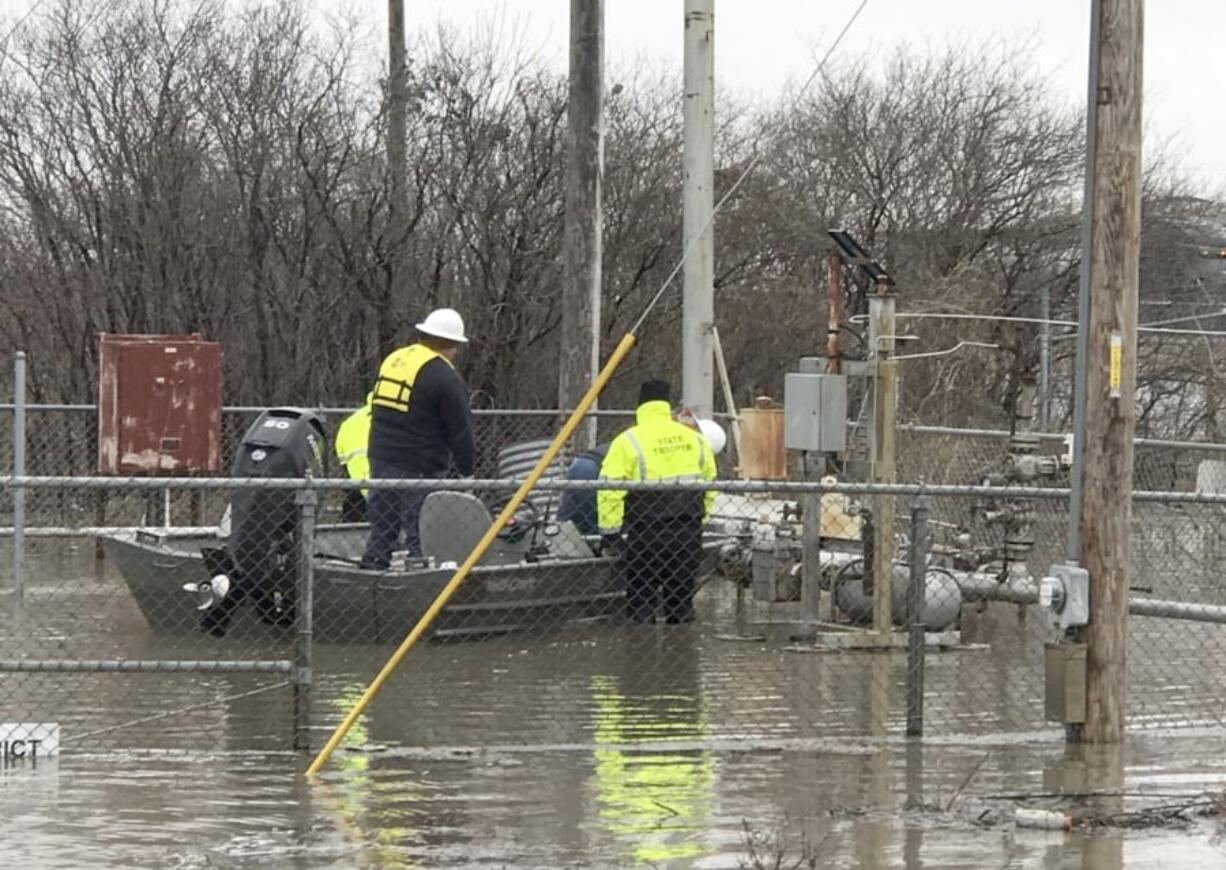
(159, 405)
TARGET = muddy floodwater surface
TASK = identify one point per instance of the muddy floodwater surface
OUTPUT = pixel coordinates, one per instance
(699, 746)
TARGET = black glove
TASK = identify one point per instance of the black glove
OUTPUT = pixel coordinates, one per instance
(610, 544)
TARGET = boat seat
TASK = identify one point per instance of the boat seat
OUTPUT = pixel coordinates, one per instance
(452, 523)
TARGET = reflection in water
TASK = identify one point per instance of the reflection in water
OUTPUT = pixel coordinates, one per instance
(653, 799)
(357, 797)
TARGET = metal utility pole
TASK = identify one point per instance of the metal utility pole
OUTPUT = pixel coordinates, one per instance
(1107, 357)
(396, 156)
(698, 316)
(580, 353)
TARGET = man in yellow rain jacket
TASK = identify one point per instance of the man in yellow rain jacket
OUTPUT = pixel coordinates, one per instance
(662, 531)
(351, 440)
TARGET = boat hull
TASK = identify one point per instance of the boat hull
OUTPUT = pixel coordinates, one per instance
(355, 605)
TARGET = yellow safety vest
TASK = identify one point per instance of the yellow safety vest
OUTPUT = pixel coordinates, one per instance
(398, 373)
(657, 447)
(352, 437)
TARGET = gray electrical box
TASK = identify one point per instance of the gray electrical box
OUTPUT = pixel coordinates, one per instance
(815, 412)
(1064, 690)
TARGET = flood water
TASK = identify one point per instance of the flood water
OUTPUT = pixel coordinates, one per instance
(653, 807)
(704, 746)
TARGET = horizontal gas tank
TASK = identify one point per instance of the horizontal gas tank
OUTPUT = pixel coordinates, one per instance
(942, 598)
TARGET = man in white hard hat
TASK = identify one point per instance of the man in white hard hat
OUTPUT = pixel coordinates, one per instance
(420, 427)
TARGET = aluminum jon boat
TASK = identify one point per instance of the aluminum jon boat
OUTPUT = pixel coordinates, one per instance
(546, 576)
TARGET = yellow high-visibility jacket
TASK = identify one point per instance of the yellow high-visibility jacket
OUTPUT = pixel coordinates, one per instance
(352, 437)
(656, 447)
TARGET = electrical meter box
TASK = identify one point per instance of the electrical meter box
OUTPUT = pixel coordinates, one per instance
(159, 405)
(815, 412)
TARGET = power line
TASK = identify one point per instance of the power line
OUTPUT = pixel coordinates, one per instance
(753, 163)
(4, 46)
(1003, 318)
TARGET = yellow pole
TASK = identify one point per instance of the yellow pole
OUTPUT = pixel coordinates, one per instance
(453, 584)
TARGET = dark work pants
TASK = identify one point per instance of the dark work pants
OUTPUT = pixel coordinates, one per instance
(391, 512)
(661, 561)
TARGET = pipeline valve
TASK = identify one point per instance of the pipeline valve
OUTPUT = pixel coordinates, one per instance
(1065, 594)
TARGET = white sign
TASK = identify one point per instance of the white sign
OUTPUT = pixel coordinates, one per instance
(28, 740)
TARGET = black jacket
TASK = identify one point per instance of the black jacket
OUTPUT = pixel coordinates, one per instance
(436, 433)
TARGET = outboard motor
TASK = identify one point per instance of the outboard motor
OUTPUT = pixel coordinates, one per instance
(261, 560)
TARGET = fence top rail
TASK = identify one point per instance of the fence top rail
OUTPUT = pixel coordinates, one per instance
(546, 413)
(332, 409)
(1003, 434)
(748, 487)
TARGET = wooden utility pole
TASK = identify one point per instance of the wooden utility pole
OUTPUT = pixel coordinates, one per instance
(396, 156)
(1110, 358)
(580, 352)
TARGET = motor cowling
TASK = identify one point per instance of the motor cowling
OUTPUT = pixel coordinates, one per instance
(281, 443)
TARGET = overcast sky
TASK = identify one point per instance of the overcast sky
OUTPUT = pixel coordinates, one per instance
(761, 45)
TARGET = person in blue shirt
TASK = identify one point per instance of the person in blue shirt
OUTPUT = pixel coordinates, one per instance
(579, 506)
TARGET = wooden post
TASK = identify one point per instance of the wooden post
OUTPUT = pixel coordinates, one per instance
(729, 401)
(396, 153)
(1110, 361)
(581, 246)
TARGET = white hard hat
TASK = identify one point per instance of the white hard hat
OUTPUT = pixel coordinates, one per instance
(714, 434)
(445, 323)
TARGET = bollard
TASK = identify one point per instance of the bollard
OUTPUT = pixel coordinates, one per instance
(916, 593)
(19, 470)
(304, 620)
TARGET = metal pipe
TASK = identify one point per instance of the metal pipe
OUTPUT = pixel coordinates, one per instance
(983, 587)
(916, 592)
(277, 666)
(810, 560)
(19, 471)
(95, 531)
(1185, 610)
(304, 618)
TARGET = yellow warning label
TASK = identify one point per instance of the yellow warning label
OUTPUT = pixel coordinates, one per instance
(1117, 364)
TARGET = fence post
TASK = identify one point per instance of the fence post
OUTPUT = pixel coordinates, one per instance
(19, 470)
(916, 594)
(304, 620)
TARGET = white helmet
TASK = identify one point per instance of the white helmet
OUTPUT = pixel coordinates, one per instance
(444, 323)
(714, 433)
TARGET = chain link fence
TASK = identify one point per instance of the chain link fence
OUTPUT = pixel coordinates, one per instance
(564, 637)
